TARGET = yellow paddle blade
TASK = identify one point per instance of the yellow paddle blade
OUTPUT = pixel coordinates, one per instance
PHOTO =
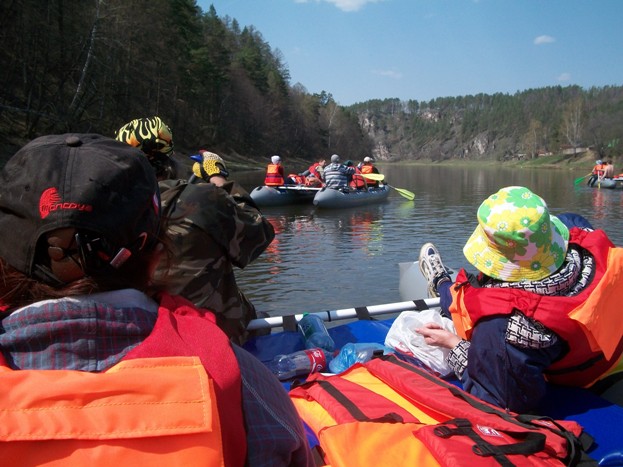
(380, 177)
(406, 193)
(377, 177)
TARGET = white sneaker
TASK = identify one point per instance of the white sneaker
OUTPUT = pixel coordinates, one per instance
(432, 268)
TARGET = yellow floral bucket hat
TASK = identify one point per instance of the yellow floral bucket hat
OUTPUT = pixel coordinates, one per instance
(517, 238)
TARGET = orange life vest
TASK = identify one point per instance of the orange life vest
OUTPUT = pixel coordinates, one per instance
(298, 179)
(313, 169)
(358, 181)
(274, 175)
(599, 170)
(589, 321)
(387, 412)
(369, 169)
(313, 182)
(162, 404)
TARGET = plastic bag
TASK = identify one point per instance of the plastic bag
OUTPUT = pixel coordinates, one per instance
(359, 352)
(403, 338)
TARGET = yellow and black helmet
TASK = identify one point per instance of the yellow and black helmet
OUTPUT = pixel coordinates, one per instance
(152, 136)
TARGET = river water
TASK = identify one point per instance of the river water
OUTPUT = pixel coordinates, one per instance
(334, 259)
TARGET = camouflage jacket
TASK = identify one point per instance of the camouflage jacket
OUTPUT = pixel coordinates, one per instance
(212, 230)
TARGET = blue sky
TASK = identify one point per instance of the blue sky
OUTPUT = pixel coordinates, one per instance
(422, 49)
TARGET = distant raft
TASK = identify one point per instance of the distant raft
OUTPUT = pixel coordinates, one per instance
(332, 198)
(609, 183)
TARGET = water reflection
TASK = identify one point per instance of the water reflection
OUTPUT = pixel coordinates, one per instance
(325, 259)
(315, 259)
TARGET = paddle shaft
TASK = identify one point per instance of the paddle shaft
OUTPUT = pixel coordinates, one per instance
(346, 313)
(299, 188)
(578, 180)
(380, 177)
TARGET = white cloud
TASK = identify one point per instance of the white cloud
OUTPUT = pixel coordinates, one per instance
(539, 40)
(388, 73)
(345, 5)
(564, 77)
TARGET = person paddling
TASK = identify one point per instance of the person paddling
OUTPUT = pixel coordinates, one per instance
(356, 181)
(597, 173)
(367, 167)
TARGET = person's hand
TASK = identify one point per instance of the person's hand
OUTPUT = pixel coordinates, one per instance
(435, 334)
(213, 164)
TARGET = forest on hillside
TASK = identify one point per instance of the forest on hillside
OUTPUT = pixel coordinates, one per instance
(93, 65)
(528, 124)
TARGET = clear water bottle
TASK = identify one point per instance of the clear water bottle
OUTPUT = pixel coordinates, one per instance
(315, 333)
(360, 352)
(300, 363)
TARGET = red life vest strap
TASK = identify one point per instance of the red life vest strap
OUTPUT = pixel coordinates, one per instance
(183, 330)
(339, 395)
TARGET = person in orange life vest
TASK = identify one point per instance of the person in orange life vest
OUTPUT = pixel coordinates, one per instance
(78, 298)
(317, 169)
(355, 180)
(275, 174)
(367, 167)
(295, 179)
(314, 174)
(312, 181)
(598, 172)
(544, 307)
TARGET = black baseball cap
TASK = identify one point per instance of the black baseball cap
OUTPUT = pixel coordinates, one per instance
(85, 181)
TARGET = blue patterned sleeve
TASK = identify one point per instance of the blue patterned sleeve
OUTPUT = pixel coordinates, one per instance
(275, 433)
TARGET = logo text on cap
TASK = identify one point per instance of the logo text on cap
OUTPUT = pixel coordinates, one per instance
(51, 201)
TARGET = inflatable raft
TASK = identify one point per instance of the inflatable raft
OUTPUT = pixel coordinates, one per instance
(608, 183)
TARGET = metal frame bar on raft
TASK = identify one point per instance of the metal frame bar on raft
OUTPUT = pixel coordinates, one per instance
(346, 313)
